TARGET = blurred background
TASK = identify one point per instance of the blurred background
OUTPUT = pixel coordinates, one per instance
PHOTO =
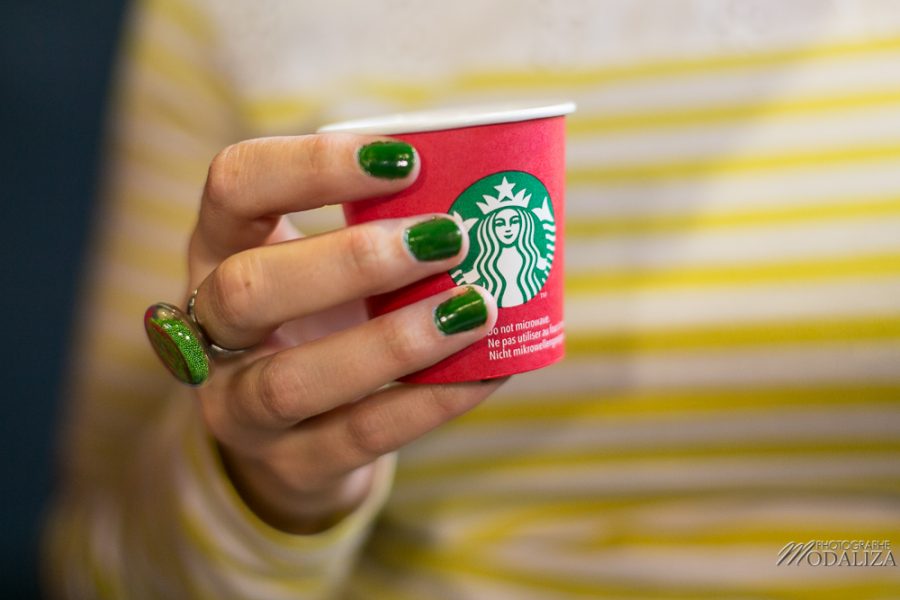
(56, 64)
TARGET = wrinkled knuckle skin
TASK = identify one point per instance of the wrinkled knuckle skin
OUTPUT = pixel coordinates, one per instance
(234, 284)
(280, 392)
(399, 343)
(316, 157)
(369, 434)
(224, 178)
(367, 255)
(446, 403)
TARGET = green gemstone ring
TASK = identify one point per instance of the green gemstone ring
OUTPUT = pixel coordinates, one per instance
(178, 343)
(181, 343)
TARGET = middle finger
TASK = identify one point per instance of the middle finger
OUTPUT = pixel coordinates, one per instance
(253, 292)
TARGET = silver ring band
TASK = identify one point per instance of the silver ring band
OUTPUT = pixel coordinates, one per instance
(215, 350)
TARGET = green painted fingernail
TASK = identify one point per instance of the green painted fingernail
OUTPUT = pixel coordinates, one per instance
(387, 159)
(177, 343)
(435, 239)
(461, 313)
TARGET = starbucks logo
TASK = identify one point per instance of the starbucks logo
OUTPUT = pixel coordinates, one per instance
(512, 233)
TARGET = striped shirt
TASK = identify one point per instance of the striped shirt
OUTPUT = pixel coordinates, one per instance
(732, 381)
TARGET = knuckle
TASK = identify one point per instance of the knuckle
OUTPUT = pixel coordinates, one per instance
(224, 178)
(367, 253)
(285, 468)
(316, 153)
(444, 402)
(399, 342)
(234, 285)
(369, 433)
(279, 392)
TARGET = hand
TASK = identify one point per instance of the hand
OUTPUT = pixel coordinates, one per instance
(302, 417)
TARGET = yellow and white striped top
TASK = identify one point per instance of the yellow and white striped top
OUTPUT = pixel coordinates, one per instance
(733, 307)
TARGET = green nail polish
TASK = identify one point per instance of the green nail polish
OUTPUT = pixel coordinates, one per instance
(435, 239)
(461, 313)
(387, 159)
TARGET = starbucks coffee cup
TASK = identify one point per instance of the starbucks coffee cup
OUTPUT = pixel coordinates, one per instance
(501, 171)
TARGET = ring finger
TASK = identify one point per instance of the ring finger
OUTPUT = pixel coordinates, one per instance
(282, 389)
(253, 292)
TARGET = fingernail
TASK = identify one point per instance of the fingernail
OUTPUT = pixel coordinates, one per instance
(387, 159)
(461, 313)
(435, 239)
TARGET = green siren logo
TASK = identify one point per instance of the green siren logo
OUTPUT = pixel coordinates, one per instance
(512, 235)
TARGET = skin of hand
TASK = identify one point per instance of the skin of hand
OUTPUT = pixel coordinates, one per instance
(302, 418)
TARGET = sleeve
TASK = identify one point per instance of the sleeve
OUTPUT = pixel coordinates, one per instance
(144, 508)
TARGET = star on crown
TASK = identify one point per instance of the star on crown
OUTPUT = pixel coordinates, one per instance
(504, 190)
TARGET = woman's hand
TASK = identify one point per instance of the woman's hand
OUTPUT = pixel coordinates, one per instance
(302, 417)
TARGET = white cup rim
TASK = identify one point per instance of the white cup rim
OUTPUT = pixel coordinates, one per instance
(451, 118)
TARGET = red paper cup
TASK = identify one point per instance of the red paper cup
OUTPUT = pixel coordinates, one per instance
(500, 170)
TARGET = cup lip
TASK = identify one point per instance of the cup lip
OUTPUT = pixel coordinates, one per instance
(451, 118)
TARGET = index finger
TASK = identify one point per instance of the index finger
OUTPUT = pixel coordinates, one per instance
(251, 184)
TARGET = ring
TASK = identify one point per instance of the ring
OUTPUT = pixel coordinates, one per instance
(215, 350)
(181, 343)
